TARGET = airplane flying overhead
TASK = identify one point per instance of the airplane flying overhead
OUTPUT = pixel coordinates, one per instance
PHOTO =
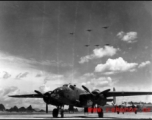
(71, 33)
(89, 30)
(105, 27)
(97, 45)
(107, 44)
(69, 94)
(87, 45)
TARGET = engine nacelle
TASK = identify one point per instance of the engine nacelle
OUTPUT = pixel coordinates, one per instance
(85, 100)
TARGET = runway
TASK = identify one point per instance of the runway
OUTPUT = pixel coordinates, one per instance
(79, 115)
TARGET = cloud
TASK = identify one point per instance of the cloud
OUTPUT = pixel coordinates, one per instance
(6, 75)
(21, 75)
(9, 90)
(45, 88)
(99, 82)
(38, 75)
(88, 75)
(115, 66)
(53, 77)
(99, 53)
(129, 37)
(23, 62)
(11, 102)
(144, 64)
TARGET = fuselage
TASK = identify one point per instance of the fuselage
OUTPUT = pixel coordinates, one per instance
(70, 95)
(65, 95)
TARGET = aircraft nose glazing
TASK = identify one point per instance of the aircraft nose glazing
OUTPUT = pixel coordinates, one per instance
(58, 93)
(61, 92)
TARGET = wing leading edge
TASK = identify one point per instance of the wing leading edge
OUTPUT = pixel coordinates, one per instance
(123, 93)
(27, 96)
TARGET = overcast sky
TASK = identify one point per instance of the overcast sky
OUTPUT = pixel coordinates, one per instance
(37, 51)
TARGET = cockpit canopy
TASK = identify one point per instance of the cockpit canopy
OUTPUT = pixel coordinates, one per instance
(65, 85)
(57, 90)
(69, 86)
(96, 91)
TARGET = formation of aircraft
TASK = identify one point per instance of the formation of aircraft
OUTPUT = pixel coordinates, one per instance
(69, 94)
(97, 45)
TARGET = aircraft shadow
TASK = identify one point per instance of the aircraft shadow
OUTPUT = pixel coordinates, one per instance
(79, 117)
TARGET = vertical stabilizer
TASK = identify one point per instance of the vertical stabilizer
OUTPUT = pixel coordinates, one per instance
(114, 98)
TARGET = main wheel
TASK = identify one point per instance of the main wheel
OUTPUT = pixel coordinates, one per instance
(55, 113)
(100, 114)
(62, 113)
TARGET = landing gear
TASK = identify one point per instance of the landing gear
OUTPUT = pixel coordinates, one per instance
(56, 112)
(100, 113)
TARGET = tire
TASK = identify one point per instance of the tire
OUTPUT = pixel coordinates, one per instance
(55, 113)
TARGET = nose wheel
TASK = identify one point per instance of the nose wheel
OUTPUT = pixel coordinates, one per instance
(56, 112)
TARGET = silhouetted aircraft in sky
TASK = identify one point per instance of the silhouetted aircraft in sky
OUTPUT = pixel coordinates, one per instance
(69, 94)
(87, 45)
(107, 44)
(71, 33)
(89, 30)
(105, 27)
(97, 45)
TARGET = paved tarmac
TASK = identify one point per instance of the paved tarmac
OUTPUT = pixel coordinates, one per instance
(79, 115)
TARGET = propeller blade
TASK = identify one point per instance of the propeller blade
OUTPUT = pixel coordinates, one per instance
(38, 92)
(105, 91)
(85, 88)
(46, 108)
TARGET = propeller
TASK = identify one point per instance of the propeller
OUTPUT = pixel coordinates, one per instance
(45, 95)
(95, 94)
(39, 93)
(105, 91)
(85, 88)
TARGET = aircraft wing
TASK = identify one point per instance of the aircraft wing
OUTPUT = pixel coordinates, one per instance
(123, 93)
(27, 96)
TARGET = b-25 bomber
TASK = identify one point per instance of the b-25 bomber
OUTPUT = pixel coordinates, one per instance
(69, 94)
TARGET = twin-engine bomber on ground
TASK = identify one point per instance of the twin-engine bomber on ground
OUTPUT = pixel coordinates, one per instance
(71, 95)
